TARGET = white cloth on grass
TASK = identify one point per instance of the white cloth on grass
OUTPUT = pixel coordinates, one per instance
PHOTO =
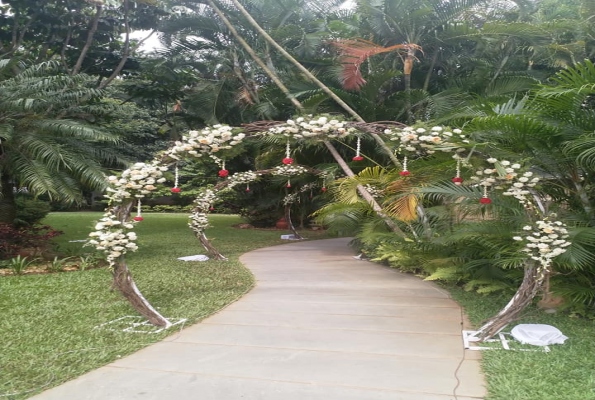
(538, 334)
(198, 257)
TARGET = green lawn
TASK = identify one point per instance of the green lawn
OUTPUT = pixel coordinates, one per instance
(47, 325)
(566, 373)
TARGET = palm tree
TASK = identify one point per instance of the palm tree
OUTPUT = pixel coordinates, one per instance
(45, 145)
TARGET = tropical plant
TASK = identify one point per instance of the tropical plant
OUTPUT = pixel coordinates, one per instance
(46, 144)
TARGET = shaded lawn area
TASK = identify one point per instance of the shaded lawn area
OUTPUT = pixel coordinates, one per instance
(48, 320)
(566, 373)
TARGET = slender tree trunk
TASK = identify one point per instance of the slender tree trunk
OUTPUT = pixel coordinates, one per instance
(87, 46)
(429, 74)
(8, 208)
(296, 63)
(122, 279)
(206, 243)
(125, 51)
(290, 222)
(407, 69)
(63, 49)
(255, 57)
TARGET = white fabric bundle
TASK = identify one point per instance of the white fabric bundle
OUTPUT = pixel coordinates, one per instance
(538, 334)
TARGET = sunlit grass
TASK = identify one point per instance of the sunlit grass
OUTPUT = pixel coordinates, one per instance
(47, 324)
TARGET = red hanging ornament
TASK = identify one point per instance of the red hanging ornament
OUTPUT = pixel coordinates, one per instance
(457, 180)
(288, 183)
(176, 190)
(485, 200)
(211, 208)
(223, 173)
(138, 218)
(358, 158)
(323, 189)
(404, 173)
(287, 161)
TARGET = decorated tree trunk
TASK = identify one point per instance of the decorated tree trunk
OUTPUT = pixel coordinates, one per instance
(532, 283)
(215, 254)
(124, 283)
(290, 225)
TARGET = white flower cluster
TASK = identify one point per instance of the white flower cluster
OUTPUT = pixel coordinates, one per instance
(198, 222)
(110, 236)
(204, 201)
(506, 173)
(420, 141)
(375, 192)
(545, 241)
(206, 141)
(319, 127)
(243, 177)
(137, 181)
(290, 198)
(289, 170)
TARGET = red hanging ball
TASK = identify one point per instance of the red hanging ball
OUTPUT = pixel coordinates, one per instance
(288, 185)
(323, 189)
(485, 200)
(247, 189)
(358, 158)
(211, 208)
(223, 173)
(138, 218)
(288, 161)
(457, 180)
(176, 190)
(404, 173)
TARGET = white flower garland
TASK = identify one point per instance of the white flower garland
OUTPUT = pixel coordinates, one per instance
(110, 237)
(205, 199)
(198, 222)
(243, 177)
(206, 141)
(289, 170)
(375, 192)
(135, 182)
(544, 242)
(421, 142)
(313, 127)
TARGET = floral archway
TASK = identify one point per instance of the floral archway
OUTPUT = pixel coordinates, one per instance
(544, 240)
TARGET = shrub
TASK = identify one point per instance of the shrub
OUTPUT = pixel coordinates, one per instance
(30, 211)
(15, 240)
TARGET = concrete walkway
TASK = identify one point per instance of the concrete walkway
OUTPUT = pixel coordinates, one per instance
(319, 325)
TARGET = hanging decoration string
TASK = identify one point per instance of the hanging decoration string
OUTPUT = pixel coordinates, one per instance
(287, 160)
(139, 216)
(176, 189)
(485, 199)
(223, 172)
(358, 148)
(248, 187)
(288, 183)
(405, 172)
(457, 180)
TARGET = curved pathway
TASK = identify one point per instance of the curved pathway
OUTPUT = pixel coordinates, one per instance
(319, 325)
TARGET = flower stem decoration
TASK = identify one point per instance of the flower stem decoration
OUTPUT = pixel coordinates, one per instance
(176, 189)
(358, 148)
(485, 199)
(139, 216)
(288, 160)
(457, 180)
(405, 172)
(223, 172)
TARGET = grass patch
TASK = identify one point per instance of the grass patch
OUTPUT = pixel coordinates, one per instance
(566, 373)
(47, 320)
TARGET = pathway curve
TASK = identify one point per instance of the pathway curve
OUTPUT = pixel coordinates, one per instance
(319, 325)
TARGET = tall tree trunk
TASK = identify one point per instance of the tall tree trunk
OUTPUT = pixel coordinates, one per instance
(407, 69)
(122, 279)
(290, 222)
(8, 207)
(431, 70)
(79, 63)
